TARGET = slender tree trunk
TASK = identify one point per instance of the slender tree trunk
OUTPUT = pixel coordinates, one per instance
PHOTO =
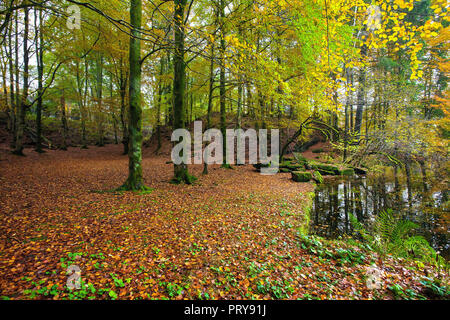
(123, 85)
(158, 106)
(135, 179)
(223, 124)
(40, 69)
(352, 127)
(100, 116)
(111, 106)
(239, 104)
(18, 150)
(360, 96)
(347, 104)
(210, 97)
(11, 84)
(82, 102)
(64, 121)
(17, 83)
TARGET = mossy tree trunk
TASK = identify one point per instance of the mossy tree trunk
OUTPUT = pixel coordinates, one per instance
(181, 173)
(135, 180)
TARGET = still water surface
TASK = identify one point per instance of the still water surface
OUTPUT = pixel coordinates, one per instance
(421, 203)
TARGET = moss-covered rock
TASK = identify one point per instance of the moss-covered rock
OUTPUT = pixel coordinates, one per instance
(285, 170)
(325, 169)
(285, 164)
(326, 173)
(295, 167)
(347, 172)
(291, 165)
(317, 176)
(300, 176)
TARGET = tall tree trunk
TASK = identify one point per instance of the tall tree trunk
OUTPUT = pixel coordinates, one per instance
(82, 101)
(360, 96)
(100, 115)
(18, 150)
(158, 106)
(210, 97)
(11, 82)
(17, 82)
(181, 173)
(223, 124)
(360, 102)
(239, 104)
(40, 69)
(135, 179)
(347, 104)
(111, 106)
(123, 85)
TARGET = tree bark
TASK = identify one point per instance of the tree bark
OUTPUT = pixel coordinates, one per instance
(135, 178)
(158, 106)
(64, 121)
(210, 97)
(181, 173)
(223, 124)
(100, 117)
(40, 69)
(123, 79)
(18, 150)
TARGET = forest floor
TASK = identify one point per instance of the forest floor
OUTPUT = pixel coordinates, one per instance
(231, 235)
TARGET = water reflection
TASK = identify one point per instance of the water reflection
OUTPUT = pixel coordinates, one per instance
(364, 198)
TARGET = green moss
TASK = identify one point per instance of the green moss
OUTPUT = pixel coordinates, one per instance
(285, 164)
(295, 167)
(300, 176)
(318, 177)
(348, 172)
(325, 169)
(326, 173)
(182, 175)
(285, 170)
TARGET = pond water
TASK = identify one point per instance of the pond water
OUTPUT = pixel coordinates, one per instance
(424, 204)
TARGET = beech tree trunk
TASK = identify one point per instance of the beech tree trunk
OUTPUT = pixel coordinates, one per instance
(135, 179)
(210, 97)
(40, 69)
(181, 173)
(18, 150)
